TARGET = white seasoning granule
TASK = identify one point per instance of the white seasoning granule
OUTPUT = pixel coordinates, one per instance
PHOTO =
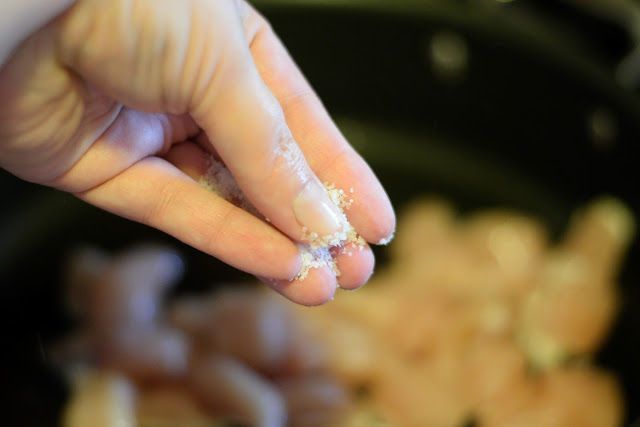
(386, 240)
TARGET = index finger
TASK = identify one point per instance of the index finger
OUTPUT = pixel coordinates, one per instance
(326, 150)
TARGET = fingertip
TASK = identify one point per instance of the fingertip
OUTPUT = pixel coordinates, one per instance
(373, 219)
(316, 289)
(380, 216)
(355, 265)
(370, 212)
(383, 229)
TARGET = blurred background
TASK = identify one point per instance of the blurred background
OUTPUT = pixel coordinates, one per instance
(532, 105)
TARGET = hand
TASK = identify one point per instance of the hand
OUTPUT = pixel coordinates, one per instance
(121, 102)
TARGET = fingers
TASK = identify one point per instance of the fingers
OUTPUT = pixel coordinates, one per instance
(325, 149)
(193, 59)
(269, 162)
(321, 283)
(317, 288)
(355, 264)
(245, 123)
(154, 192)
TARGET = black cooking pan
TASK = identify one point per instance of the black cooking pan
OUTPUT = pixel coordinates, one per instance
(510, 104)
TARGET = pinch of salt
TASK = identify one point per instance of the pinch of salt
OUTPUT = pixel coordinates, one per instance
(316, 253)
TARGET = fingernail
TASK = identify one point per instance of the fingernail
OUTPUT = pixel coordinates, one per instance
(315, 211)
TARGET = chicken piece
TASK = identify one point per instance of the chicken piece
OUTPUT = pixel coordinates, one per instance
(567, 397)
(492, 367)
(101, 399)
(231, 389)
(423, 322)
(248, 324)
(418, 395)
(423, 225)
(84, 268)
(509, 243)
(130, 291)
(162, 353)
(501, 412)
(350, 351)
(170, 405)
(600, 233)
(120, 299)
(314, 400)
(570, 314)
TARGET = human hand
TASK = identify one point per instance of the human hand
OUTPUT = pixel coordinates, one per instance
(121, 102)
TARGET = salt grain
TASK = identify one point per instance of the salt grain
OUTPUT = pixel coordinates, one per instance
(386, 240)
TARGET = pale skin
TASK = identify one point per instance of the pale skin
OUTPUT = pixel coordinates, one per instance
(120, 102)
